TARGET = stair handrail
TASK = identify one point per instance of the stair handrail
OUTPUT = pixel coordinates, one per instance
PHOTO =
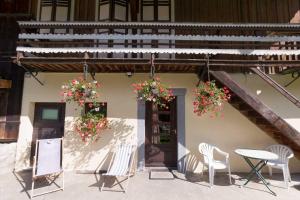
(277, 86)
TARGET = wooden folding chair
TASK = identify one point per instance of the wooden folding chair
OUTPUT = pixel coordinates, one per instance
(121, 164)
(48, 163)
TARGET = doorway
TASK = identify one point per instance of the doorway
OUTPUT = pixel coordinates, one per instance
(49, 122)
(161, 135)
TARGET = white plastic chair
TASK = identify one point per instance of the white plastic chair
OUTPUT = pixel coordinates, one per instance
(284, 154)
(207, 151)
(121, 164)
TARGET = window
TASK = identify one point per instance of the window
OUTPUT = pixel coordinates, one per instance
(55, 10)
(50, 114)
(100, 109)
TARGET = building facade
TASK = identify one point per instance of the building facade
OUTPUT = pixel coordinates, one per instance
(116, 39)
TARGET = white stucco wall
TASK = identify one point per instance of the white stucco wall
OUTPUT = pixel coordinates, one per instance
(231, 132)
(272, 98)
(7, 157)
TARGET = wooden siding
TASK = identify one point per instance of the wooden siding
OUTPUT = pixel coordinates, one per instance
(233, 11)
(14, 6)
(84, 10)
(10, 98)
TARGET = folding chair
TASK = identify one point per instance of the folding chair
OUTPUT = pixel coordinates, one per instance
(48, 163)
(121, 164)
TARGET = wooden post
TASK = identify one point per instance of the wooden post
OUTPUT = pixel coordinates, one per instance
(5, 84)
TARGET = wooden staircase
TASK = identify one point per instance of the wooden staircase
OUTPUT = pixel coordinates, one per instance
(259, 113)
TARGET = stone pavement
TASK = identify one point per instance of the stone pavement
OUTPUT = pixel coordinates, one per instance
(16, 186)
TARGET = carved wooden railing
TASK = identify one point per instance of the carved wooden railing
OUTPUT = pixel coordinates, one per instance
(235, 46)
(244, 37)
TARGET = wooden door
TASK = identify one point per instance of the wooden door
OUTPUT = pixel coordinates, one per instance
(3, 111)
(49, 120)
(161, 135)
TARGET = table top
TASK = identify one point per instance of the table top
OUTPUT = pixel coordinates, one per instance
(257, 154)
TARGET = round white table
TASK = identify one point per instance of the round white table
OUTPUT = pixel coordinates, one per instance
(263, 157)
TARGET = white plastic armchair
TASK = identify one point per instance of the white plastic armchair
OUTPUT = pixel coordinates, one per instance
(284, 155)
(207, 151)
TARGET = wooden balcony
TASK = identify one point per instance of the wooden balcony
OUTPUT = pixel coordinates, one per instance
(178, 47)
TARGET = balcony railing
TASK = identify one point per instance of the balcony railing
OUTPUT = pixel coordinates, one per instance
(278, 43)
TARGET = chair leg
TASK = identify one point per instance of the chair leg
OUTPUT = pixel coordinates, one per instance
(103, 183)
(270, 171)
(285, 176)
(202, 169)
(229, 174)
(211, 172)
(63, 181)
(127, 184)
(289, 174)
(32, 188)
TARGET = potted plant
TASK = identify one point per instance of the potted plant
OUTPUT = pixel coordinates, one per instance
(90, 126)
(210, 98)
(154, 91)
(80, 91)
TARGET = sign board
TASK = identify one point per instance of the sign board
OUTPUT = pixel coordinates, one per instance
(49, 156)
(5, 84)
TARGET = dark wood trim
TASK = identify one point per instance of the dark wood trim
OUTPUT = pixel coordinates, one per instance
(58, 60)
(8, 141)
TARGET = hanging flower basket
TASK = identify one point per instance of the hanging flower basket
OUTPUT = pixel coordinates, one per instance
(80, 91)
(153, 90)
(90, 126)
(210, 98)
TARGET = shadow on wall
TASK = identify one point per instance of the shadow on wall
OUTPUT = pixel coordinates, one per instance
(96, 155)
(23, 156)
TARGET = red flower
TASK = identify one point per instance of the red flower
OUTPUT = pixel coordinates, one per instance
(209, 98)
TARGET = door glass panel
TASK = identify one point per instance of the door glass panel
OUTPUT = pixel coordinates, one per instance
(165, 130)
(164, 117)
(50, 114)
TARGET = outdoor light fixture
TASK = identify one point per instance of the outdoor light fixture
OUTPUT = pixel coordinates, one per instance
(129, 74)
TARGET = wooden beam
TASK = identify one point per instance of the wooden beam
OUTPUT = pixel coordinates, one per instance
(240, 62)
(5, 84)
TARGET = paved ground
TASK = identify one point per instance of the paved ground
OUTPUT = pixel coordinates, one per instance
(192, 186)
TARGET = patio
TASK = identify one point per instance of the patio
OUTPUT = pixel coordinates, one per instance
(192, 186)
